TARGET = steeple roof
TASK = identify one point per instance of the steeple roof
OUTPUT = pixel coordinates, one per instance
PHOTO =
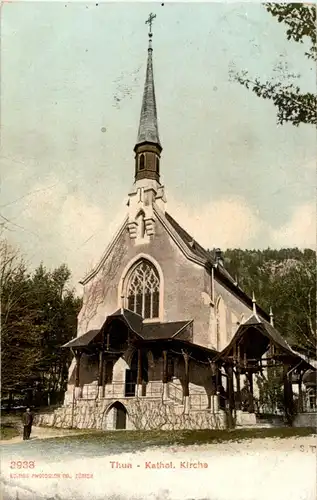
(148, 128)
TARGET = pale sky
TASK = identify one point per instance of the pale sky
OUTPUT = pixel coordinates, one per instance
(72, 80)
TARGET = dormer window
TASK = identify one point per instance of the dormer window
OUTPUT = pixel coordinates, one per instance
(142, 162)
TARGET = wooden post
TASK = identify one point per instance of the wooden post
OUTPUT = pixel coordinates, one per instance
(139, 377)
(288, 394)
(238, 373)
(230, 387)
(229, 371)
(100, 373)
(100, 368)
(77, 356)
(164, 367)
(103, 377)
(214, 370)
(164, 375)
(238, 388)
(186, 382)
(300, 393)
(250, 379)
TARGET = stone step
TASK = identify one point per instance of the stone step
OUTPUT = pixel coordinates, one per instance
(255, 426)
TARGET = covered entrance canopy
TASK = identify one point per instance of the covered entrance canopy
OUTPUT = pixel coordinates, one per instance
(124, 334)
(256, 337)
(258, 345)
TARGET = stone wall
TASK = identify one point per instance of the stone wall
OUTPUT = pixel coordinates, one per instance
(235, 311)
(306, 420)
(141, 414)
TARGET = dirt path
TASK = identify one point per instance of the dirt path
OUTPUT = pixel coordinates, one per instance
(42, 433)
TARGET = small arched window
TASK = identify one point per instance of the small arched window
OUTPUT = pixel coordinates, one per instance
(141, 225)
(143, 290)
(142, 162)
(157, 165)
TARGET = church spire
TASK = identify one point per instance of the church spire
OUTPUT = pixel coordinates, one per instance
(148, 147)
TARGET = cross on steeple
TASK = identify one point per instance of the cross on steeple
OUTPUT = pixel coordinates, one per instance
(149, 21)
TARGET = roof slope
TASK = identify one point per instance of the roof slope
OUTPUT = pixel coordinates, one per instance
(151, 331)
(195, 247)
(83, 340)
(270, 333)
(148, 128)
(133, 320)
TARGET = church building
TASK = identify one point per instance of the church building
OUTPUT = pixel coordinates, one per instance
(166, 337)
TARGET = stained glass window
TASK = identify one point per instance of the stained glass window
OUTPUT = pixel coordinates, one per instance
(143, 290)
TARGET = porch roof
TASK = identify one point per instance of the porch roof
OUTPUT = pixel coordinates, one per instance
(147, 331)
(158, 331)
(83, 340)
(255, 335)
(133, 320)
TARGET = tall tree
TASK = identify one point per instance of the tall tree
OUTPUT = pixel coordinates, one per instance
(20, 337)
(57, 308)
(38, 315)
(293, 105)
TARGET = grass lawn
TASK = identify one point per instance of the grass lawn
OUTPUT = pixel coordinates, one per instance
(9, 431)
(143, 439)
(11, 425)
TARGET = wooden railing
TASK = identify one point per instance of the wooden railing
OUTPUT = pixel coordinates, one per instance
(175, 392)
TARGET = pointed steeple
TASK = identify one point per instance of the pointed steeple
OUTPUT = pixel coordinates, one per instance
(148, 128)
(148, 147)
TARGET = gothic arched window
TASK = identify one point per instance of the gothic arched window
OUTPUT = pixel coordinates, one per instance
(142, 162)
(143, 290)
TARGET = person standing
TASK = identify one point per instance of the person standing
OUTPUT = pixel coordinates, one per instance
(27, 420)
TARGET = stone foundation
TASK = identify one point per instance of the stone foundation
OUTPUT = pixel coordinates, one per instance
(245, 419)
(306, 420)
(141, 414)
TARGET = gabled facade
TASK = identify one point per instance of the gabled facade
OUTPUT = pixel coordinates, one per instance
(158, 311)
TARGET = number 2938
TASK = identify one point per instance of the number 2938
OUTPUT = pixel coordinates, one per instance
(19, 464)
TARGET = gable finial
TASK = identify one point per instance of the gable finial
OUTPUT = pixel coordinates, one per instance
(271, 317)
(253, 303)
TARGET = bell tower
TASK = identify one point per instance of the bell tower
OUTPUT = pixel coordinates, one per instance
(147, 188)
(148, 147)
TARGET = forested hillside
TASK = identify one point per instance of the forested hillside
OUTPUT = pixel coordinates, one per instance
(284, 280)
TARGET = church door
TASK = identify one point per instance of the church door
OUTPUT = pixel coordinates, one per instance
(121, 417)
